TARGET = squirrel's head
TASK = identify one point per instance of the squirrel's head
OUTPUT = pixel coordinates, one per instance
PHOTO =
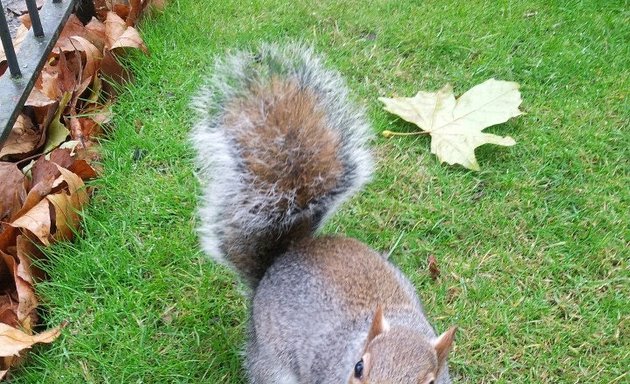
(400, 355)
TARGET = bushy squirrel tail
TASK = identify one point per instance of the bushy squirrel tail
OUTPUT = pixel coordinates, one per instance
(279, 147)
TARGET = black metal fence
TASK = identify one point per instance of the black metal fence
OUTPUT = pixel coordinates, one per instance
(25, 64)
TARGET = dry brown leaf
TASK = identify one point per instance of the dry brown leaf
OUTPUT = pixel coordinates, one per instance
(114, 28)
(12, 190)
(90, 152)
(27, 302)
(38, 99)
(43, 109)
(95, 30)
(7, 236)
(27, 251)
(120, 35)
(7, 302)
(101, 7)
(37, 221)
(56, 78)
(68, 92)
(62, 157)
(83, 169)
(75, 129)
(23, 140)
(93, 56)
(76, 187)
(25, 19)
(73, 27)
(434, 270)
(113, 71)
(68, 72)
(35, 195)
(130, 39)
(83, 128)
(13, 341)
(5, 282)
(24, 268)
(48, 83)
(8, 308)
(135, 7)
(121, 9)
(43, 169)
(68, 206)
(66, 217)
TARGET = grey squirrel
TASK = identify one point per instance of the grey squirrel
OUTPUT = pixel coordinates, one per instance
(279, 146)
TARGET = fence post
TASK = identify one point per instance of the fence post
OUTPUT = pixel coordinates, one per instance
(30, 59)
(7, 44)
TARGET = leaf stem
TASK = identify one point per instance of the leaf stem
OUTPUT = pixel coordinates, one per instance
(387, 133)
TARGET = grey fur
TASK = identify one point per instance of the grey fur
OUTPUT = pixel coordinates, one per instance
(309, 321)
(301, 328)
(230, 202)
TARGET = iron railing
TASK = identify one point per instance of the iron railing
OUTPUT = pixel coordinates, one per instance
(25, 65)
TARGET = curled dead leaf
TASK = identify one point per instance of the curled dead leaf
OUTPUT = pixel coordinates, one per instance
(57, 77)
(92, 57)
(38, 99)
(73, 27)
(115, 26)
(13, 341)
(23, 140)
(434, 270)
(120, 35)
(83, 169)
(35, 195)
(27, 251)
(76, 188)
(12, 190)
(27, 301)
(43, 169)
(95, 31)
(37, 221)
(130, 39)
(61, 157)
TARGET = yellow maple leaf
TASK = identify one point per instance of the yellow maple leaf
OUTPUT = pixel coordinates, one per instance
(455, 125)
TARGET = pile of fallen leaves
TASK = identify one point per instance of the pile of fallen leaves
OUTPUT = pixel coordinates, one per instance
(51, 151)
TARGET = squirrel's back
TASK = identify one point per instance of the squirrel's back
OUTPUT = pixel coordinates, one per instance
(279, 147)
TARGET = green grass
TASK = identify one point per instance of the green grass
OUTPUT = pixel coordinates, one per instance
(533, 249)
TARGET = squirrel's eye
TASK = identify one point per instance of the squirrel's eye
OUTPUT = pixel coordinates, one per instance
(432, 382)
(358, 369)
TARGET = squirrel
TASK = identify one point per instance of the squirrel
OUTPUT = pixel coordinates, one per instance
(279, 146)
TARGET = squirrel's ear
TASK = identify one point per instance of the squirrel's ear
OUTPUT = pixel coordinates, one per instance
(443, 345)
(379, 325)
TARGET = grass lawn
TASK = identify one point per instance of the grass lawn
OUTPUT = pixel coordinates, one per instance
(533, 249)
